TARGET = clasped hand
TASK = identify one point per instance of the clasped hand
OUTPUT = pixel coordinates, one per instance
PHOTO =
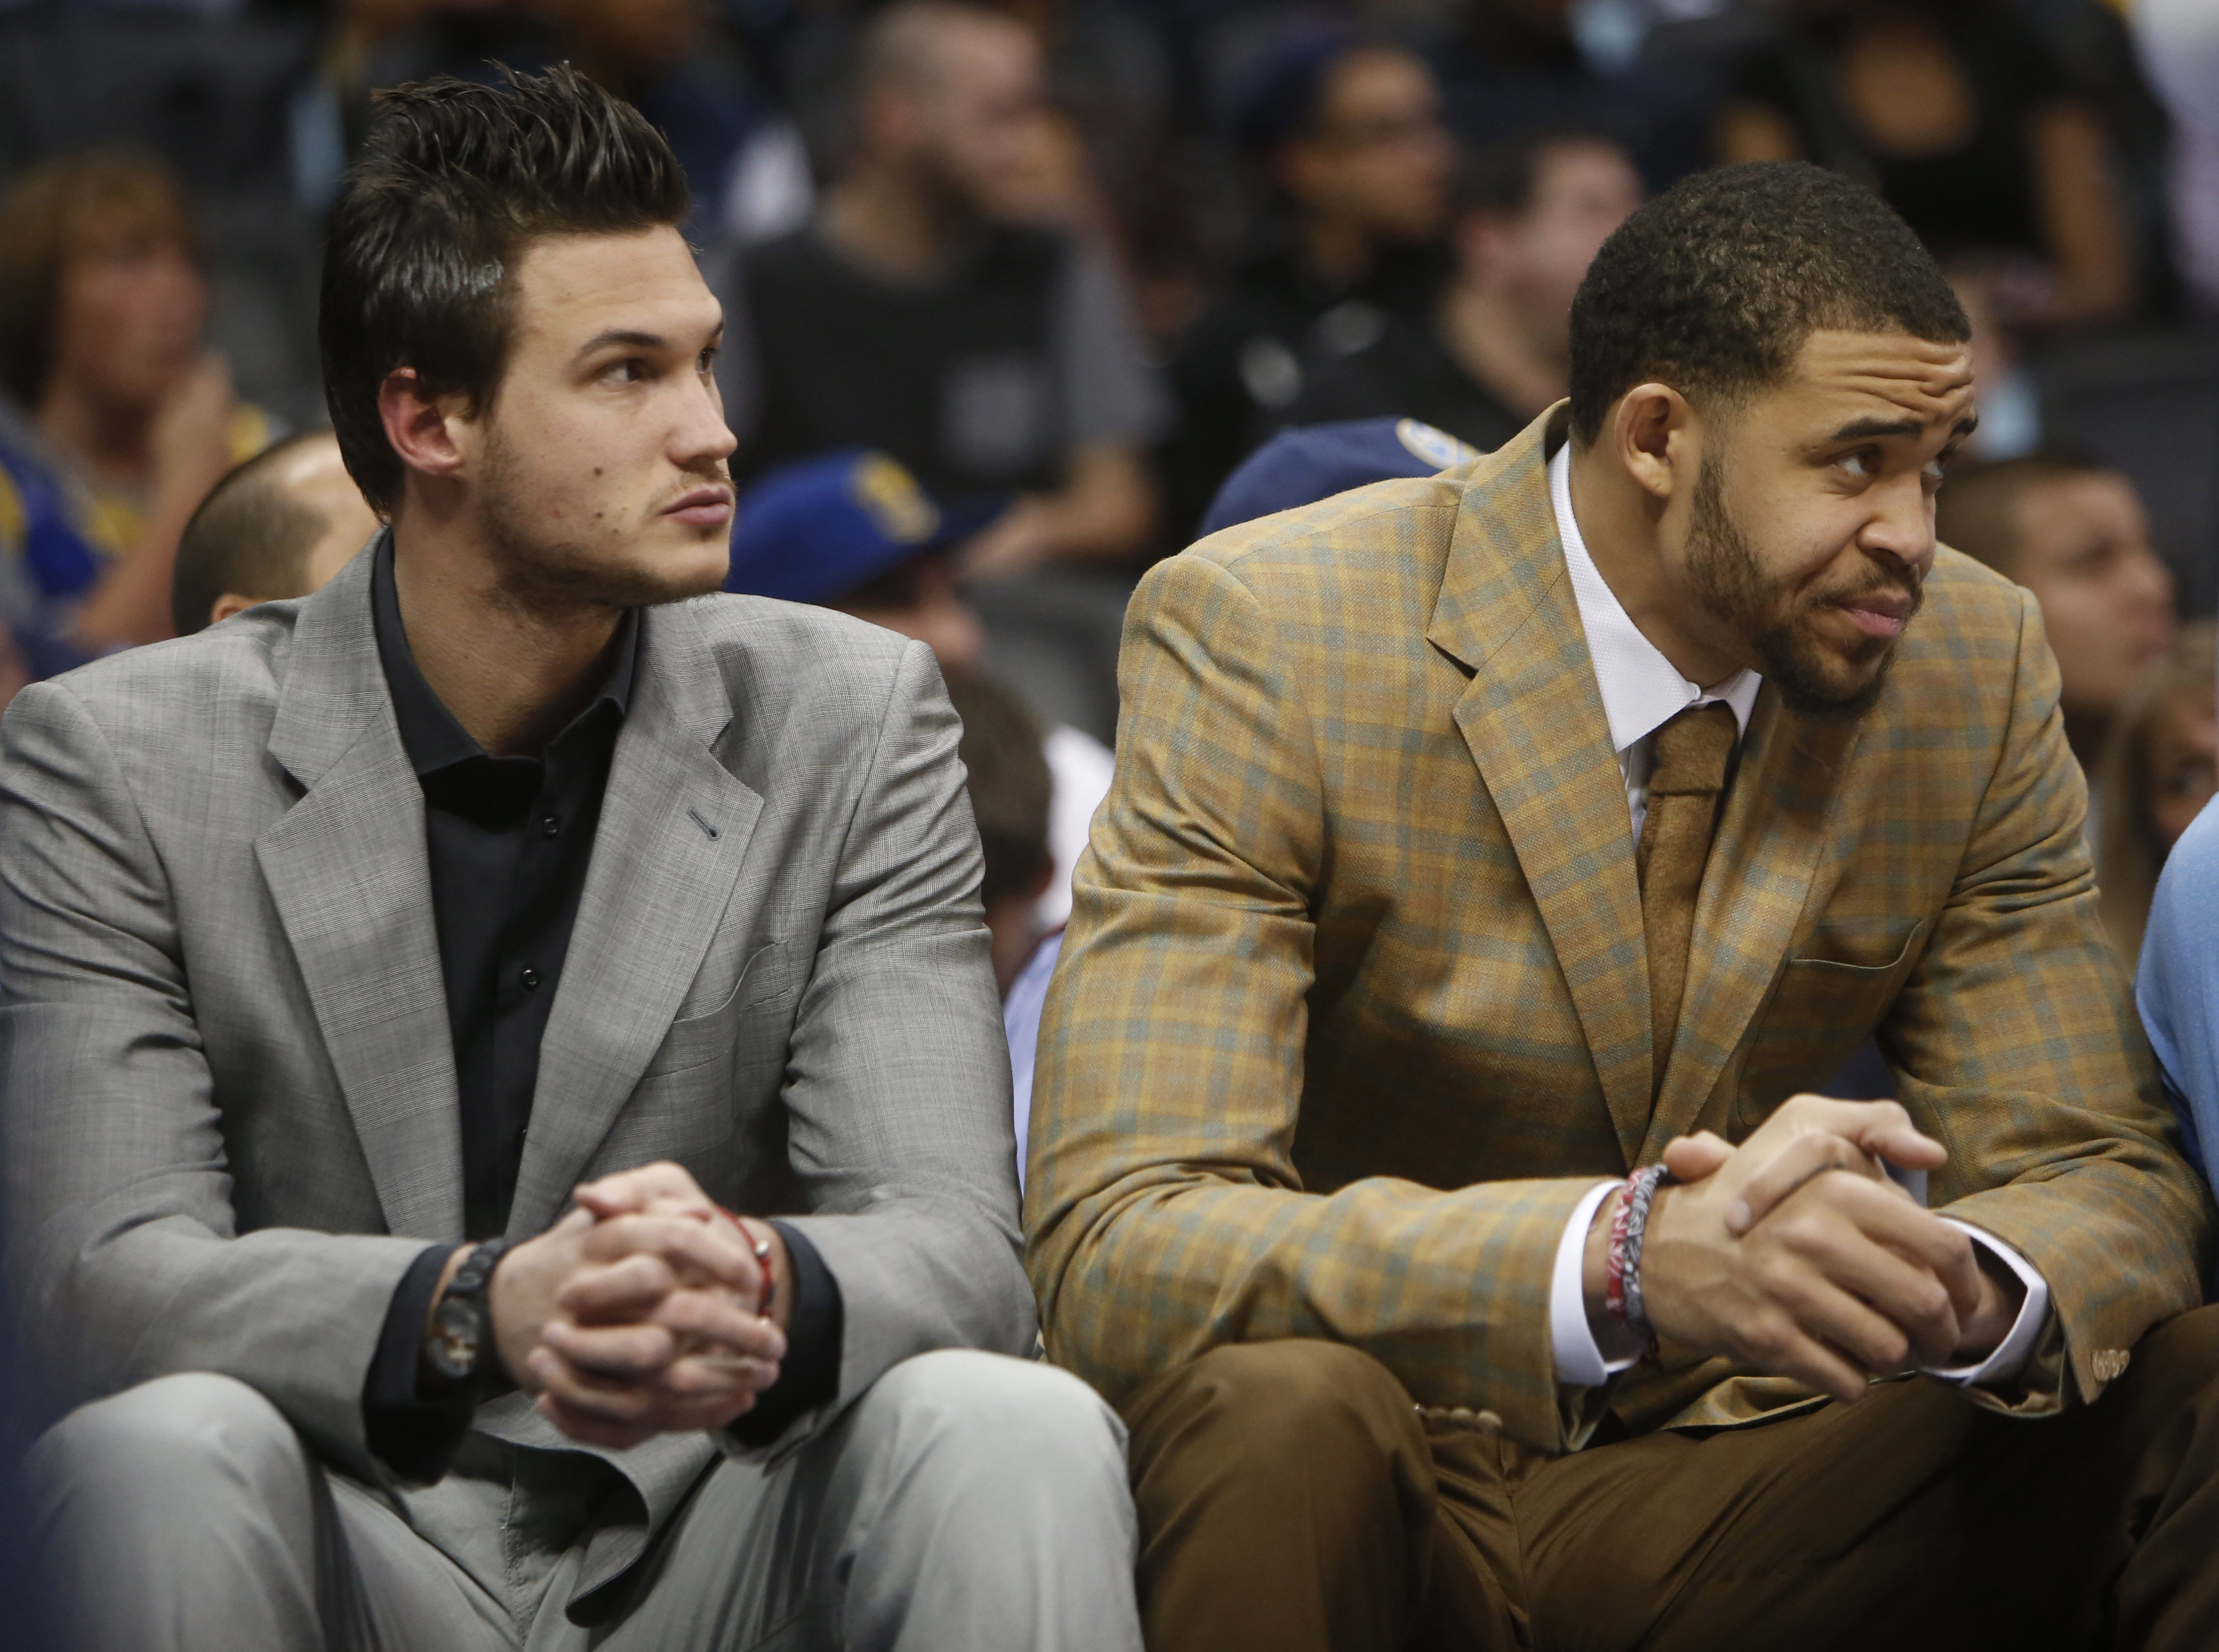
(637, 1314)
(1796, 1255)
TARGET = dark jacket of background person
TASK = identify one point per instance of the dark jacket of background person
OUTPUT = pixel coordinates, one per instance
(2013, 158)
(981, 383)
(769, 983)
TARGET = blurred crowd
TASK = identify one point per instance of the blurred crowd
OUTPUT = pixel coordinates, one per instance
(1011, 289)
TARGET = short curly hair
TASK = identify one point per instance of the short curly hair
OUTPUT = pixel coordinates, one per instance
(1712, 287)
(457, 181)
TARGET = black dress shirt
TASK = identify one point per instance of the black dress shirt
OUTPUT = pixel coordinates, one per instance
(509, 841)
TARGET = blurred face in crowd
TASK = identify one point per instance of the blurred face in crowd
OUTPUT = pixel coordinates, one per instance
(131, 306)
(2083, 548)
(597, 468)
(2183, 762)
(1807, 537)
(920, 600)
(1581, 192)
(1378, 156)
(976, 118)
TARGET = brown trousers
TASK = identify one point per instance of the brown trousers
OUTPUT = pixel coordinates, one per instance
(1292, 1498)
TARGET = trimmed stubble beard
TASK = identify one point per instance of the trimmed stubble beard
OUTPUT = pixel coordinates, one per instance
(1771, 615)
(562, 573)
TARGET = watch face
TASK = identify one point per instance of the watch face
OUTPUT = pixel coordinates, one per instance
(453, 1349)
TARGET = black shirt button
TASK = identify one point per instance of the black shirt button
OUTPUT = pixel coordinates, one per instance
(550, 826)
(530, 979)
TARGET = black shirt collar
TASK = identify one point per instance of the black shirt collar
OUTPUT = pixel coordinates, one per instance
(429, 733)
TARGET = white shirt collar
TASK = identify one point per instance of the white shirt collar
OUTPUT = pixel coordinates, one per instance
(1641, 691)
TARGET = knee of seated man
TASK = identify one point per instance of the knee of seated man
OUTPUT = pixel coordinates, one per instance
(186, 1431)
(992, 1412)
(1265, 1394)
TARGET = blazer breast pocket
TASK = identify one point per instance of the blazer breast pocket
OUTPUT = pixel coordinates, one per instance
(1827, 1002)
(750, 1011)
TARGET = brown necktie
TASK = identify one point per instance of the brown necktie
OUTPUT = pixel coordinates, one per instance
(1691, 755)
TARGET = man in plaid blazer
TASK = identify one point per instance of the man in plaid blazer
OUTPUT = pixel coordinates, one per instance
(1369, 1002)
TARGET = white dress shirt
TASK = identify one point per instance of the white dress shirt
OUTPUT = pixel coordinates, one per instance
(1641, 691)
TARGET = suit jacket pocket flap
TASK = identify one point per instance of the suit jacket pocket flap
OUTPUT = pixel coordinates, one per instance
(695, 1039)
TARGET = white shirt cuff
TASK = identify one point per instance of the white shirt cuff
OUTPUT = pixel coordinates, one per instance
(2011, 1353)
(1579, 1361)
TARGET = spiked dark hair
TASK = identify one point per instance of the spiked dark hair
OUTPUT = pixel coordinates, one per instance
(1713, 286)
(456, 180)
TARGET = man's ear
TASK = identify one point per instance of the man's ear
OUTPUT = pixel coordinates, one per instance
(228, 604)
(420, 425)
(1653, 429)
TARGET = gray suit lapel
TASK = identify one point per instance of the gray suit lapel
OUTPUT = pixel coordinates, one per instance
(673, 832)
(347, 869)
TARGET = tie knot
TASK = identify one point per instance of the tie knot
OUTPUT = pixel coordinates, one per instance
(1692, 751)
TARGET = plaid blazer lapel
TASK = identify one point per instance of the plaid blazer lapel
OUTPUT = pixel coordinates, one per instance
(1755, 886)
(1533, 719)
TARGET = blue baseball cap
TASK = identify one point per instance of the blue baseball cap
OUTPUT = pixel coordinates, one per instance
(815, 530)
(1314, 461)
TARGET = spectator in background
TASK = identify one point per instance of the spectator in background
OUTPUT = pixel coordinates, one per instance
(1514, 67)
(277, 526)
(991, 358)
(1530, 216)
(1011, 789)
(1957, 113)
(2158, 770)
(1345, 132)
(126, 422)
(2072, 531)
(745, 166)
(854, 531)
(1305, 464)
(2179, 49)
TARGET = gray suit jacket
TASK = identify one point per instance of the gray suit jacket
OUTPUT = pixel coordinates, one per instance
(224, 1066)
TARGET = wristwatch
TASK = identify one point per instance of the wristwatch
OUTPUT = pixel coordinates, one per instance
(461, 1345)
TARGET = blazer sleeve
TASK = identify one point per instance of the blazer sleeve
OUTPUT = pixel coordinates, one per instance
(2016, 1047)
(898, 1086)
(123, 1253)
(1163, 1209)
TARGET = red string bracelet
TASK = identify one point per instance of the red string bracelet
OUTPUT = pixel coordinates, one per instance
(1614, 1268)
(761, 1248)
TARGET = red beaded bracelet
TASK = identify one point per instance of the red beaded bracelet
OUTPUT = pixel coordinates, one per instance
(1614, 1266)
(761, 1248)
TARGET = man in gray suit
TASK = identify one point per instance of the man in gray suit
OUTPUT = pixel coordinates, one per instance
(396, 986)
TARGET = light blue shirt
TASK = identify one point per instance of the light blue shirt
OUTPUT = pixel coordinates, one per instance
(1021, 1020)
(2177, 988)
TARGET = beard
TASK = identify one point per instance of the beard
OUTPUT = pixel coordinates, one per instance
(1776, 620)
(558, 572)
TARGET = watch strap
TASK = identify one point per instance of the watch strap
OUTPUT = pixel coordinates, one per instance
(471, 1285)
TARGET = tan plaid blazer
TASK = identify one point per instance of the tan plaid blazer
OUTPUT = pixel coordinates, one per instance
(1354, 1004)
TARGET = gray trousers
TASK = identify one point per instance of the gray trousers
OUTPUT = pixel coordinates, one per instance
(966, 1502)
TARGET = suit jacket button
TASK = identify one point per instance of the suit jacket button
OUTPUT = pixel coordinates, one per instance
(1488, 1422)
